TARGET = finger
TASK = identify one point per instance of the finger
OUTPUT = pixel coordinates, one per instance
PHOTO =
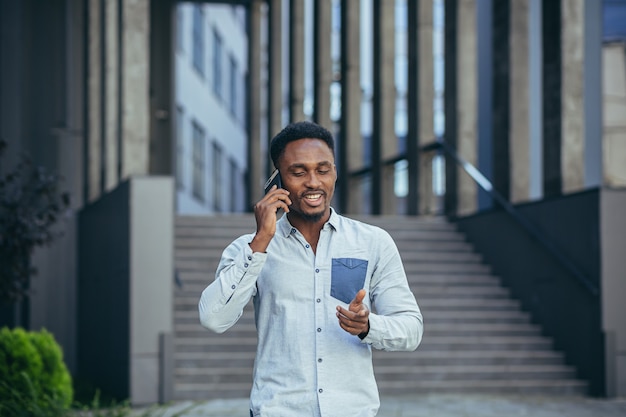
(358, 298)
(355, 305)
(355, 316)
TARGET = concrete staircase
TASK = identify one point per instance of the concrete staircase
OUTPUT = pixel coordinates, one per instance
(476, 340)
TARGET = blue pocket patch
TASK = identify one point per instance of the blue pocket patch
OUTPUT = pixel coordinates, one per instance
(348, 277)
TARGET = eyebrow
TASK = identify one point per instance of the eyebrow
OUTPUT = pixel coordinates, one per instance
(304, 166)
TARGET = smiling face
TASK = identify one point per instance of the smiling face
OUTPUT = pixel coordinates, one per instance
(307, 168)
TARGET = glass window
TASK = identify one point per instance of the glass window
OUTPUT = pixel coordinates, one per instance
(234, 185)
(199, 162)
(217, 64)
(180, 148)
(198, 39)
(234, 79)
(218, 181)
(179, 28)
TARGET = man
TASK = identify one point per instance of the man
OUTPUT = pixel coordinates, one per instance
(316, 279)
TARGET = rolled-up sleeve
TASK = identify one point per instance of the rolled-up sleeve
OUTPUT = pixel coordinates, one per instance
(397, 323)
(222, 302)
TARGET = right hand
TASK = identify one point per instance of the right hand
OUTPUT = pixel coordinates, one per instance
(265, 214)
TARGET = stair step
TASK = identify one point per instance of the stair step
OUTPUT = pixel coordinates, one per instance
(542, 387)
(477, 339)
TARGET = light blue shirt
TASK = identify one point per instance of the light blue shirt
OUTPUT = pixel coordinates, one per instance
(306, 365)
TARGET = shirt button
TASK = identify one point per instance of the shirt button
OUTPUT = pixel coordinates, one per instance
(293, 230)
(320, 360)
(319, 329)
(233, 287)
(320, 390)
(245, 265)
(319, 300)
(249, 258)
(317, 270)
(308, 246)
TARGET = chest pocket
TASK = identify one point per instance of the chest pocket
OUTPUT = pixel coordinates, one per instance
(348, 277)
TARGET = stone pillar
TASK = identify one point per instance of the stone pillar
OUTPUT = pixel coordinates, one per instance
(519, 101)
(350, 140)
(384, 141)
(95, 168)
(255, 172)
(322, 60)
(275, 65)
(296, 60)
(467, 104)
(110, 95)
(162, 147)
(134, 89)
(572, 95)
(612, 240)
(614, 114)
(451, 103)
(551, 100)
(500, 107)
(426, 96)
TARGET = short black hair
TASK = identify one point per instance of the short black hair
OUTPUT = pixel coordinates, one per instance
(299, 130)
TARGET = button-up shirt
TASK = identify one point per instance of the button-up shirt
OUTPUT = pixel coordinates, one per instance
(306, 364)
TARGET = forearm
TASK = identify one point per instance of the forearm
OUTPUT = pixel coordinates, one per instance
(401, 332)
(222, 302)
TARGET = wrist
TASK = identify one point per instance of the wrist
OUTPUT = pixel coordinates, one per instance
(366, 332)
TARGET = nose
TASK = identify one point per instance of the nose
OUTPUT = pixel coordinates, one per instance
(312, 180)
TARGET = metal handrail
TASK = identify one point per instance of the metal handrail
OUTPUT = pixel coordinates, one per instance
(486, 185)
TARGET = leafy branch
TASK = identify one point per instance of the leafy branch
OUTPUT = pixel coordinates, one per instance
(30, 204)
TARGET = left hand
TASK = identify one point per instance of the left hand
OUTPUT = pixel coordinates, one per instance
(354, 320)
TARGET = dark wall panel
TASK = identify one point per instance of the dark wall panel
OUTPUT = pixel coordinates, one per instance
(103, 295)
(564, 307)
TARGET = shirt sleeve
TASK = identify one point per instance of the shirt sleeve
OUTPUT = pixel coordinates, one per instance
(396, 322)
(222, 302)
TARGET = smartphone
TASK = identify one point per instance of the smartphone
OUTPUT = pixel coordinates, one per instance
(273, 179)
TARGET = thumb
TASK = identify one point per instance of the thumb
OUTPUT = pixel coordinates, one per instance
(358, 299)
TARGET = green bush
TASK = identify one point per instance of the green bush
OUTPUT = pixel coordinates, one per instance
(34, 380)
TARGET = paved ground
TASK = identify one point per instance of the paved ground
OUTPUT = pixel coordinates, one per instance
(439, 406)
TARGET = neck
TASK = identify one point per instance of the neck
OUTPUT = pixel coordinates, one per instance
(309, 229)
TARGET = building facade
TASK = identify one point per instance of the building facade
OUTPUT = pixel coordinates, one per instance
(101, 92)
(210, 67)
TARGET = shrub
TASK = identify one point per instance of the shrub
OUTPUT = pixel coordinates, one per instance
(34, 380)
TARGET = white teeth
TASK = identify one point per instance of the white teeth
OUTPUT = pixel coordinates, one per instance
(313, 196)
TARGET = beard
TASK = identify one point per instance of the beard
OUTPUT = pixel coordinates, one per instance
(313, 217)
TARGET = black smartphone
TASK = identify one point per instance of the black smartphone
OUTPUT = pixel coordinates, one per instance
(273, 179)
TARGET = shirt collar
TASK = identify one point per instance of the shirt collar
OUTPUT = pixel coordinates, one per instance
(285, 228)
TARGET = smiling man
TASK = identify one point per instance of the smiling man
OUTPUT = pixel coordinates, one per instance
(326, 290)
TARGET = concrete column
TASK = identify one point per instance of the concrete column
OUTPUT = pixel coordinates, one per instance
(614, 114)
(296, 60)
(613, 287)
(535, 96)
(350, 140)
(135, 81)
(322, 61)
(426, 96)
(467, 103)
(110, 94)
(551, 99)
(451, 99)
(572, 95)
(95, 167)
(501, 98)
(162, 148)
(384, 141)
(519, 101)
(255, 172)
(275, 76)
(151, 304)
